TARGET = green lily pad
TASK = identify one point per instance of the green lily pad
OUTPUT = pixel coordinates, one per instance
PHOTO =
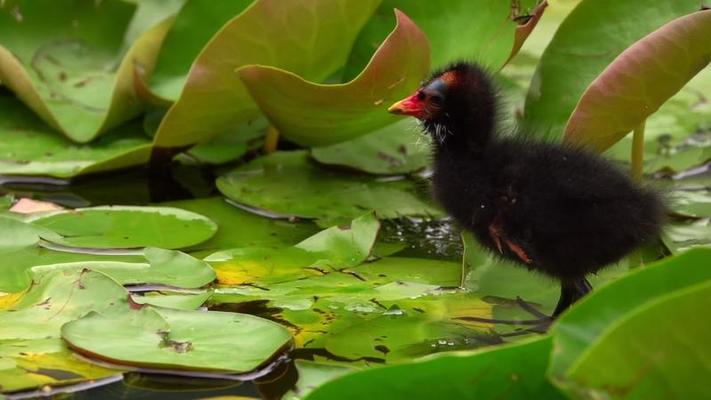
(612, 303)
(287, 183)
(680, 237)
(178, 301)
(511, 372)
(175, 339)
(596, 32)
(395, 149)
(644, 76)
(29, 147)
(166, 267)
(62, 58)
(354, 108)
(125, 227)
(334, 248)
(213, 98)
(668, 361)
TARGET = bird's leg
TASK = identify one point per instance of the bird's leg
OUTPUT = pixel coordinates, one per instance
(570, 292)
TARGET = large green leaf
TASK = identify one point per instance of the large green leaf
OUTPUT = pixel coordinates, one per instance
(340, 112)
(667, 361)
(29, 147)
(287, 183)
(611, 303)
(394, 149)
(483, 30)
(63, 59)
(195, 25)
(643, 76)
(175, 339)
(595, 32)
(213, 99)
(126, 227)
(511, 372)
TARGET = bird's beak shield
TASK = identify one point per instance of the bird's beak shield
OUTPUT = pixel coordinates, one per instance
(409, 106)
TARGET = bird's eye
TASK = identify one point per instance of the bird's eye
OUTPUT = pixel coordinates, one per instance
(437, 99)
(421, 95)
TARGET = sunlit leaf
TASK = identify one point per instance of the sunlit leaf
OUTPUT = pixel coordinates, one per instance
(213, 99)
(640, 80)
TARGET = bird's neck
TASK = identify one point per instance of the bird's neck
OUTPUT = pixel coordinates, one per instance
(469, 135)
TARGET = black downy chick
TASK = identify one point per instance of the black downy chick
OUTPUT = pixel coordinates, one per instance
(552, 208)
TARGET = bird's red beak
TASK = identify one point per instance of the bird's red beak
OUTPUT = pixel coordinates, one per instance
(409, 106)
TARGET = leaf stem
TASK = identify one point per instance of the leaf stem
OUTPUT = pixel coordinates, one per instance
(637, 157)
(271, 140)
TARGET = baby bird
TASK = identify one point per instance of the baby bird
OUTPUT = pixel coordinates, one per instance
(552, 208)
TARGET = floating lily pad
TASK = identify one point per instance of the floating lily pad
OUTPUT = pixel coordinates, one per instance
(395, 149)
(511, 372)
(679, 237)
(341, 112)
(174, 339)
(127, 227)
(62, 59)
(596, 31)
(166, 267)
(287, 183)
(213, 98)
(29, 147)
(644, 76)
(334, 248)
(178, 301)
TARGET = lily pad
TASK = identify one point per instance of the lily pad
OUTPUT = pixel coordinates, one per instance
(341, 112)
(666, 362)
(125, 227)
(287, 183)
(62, 58)
(175, 339)
(213, 98)
(334, 248)
(644, 76)
(166, 267)
(30, 147)
(596, 31)
(395, 149)
(511, 372)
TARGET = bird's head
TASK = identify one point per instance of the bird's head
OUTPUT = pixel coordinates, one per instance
(456, 103)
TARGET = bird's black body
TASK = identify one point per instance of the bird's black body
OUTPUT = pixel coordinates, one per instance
(559, 210)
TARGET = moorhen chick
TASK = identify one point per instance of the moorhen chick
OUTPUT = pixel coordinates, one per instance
(552, 208)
